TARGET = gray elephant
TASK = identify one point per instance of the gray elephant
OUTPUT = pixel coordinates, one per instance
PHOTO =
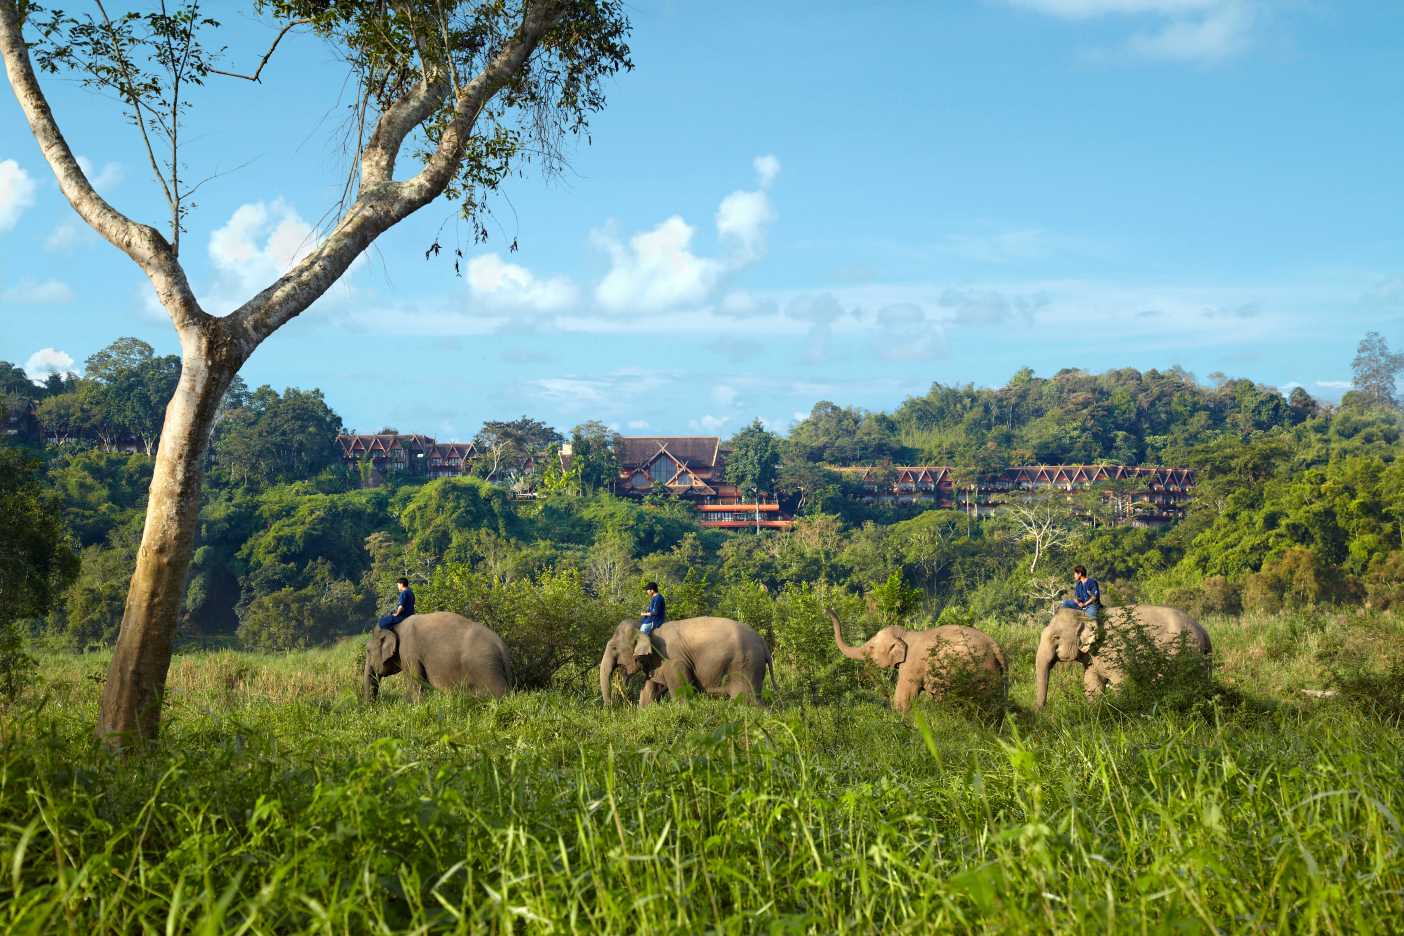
(1073, 636)
(919, 656)
(714, 655)
(443, 649)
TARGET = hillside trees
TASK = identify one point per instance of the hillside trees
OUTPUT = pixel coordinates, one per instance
(476, 84)
(273, 438)
(595, 454)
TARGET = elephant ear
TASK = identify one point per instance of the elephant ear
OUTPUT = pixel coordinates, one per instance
(897, 651)
(1087, 635)
(642, 646)
(389, 644)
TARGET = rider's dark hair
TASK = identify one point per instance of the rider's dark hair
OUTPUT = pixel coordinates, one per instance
(651, 586)
(402, 581)
(1079, 570)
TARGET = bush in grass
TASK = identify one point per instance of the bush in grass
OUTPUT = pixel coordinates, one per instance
(1384, 582)
(289, 619)
(1177, 678)
(1300, 577)
(804, 639)
(960, 682)
(1368, 669)
(1216, 595)
(554, 627)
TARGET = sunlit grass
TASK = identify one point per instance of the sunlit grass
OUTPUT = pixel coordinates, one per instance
(277, 802)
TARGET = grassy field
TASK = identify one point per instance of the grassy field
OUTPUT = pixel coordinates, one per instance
(277, 802)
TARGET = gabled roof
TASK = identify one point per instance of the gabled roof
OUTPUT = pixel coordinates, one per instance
(692, 451)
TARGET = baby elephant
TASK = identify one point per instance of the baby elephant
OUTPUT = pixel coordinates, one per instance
(920, 656)
(444, 649)
(717, 656)
(1074, 637)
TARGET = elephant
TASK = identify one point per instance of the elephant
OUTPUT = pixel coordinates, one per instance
(911, 654)
(444, 649)
(1073, 636)
(714, 655)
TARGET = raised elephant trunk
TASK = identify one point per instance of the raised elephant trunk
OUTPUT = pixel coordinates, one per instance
(607, 673)
(1043, 667)
(370, 683)
(848, 651)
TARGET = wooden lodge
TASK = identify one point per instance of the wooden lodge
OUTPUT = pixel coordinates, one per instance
(693, 467)
(1164, 491)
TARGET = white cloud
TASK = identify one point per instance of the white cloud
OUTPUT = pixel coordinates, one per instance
(66, 236)
(1188, 30)
(709, 423)
(1336, 384)
(906, 334)
(32, 291)
(48, 360)
(16, 193)
(261, 242)
(990, 307)
(821, 312)
(767, 168)
(1388, 291)
(724, 395)
(105, 181)
(574, 394)
(658, 270)
(638, 424)
(509, 286)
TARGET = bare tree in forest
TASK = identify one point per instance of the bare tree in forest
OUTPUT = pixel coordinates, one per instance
(1375, 370)
(477, 86)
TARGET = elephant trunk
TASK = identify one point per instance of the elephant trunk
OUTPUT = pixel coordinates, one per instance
(607, 673)
(848, 651)
(370, 683)
(1043, 667)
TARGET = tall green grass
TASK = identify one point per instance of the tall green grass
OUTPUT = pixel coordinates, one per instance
(276, 802)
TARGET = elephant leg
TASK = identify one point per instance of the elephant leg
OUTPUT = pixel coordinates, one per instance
(649, 695)
(1092, 682)
(907, 691)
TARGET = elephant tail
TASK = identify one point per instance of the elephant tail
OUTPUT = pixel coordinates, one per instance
(770, 665)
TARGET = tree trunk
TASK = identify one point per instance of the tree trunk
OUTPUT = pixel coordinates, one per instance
(136, 679)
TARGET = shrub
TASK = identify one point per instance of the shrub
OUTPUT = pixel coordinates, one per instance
(554, 628)
(1368, 669)
(804, 638)
(959, 682)
(1217, 595)
(1002, 598)
(1175, 678)
(1384, 582)
(290, 619)
(1300, 577)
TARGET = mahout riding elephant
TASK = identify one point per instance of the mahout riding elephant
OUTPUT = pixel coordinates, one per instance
(444, 649)
(1073, 636)
(714, 655)
(919, 656)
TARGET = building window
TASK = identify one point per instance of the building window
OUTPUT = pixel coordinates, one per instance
(662, 469)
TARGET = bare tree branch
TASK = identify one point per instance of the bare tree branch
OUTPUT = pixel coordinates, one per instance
(267, 56)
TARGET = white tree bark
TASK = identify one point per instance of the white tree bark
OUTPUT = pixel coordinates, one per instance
(213, 349)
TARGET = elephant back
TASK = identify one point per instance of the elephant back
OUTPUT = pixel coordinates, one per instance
(1166, 623)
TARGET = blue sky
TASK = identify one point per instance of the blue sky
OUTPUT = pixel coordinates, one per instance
(789, 202)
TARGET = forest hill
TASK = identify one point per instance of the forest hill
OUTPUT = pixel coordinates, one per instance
(1296, 503)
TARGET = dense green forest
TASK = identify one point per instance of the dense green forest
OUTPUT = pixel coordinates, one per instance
(1299, 503)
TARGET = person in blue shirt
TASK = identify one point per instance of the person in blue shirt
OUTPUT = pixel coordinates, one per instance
(1087, 594)
(657, 612)
(402, 610)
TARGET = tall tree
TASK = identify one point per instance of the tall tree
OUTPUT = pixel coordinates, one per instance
(476, 84)
(276, 438)
(594, 453)
(754, 460)
(1375, 370)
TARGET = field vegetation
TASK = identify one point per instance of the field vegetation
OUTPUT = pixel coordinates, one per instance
(1265, 798)
(276, 801)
